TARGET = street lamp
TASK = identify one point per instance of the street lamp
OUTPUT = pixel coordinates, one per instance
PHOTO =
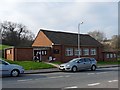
(79, 39)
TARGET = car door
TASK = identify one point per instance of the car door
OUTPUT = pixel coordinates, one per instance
(5, 68)
(81, 64)
(87, 63)
(0, 68)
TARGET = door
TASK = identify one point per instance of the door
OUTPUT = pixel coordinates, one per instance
(87, 63)
(81, 64)
(5, 68)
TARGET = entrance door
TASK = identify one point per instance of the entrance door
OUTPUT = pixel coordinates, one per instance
(41, 54)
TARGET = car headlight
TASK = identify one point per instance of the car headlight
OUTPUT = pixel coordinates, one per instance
(68, 65)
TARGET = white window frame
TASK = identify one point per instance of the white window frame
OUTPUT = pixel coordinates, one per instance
(69, 51)
(77, 52)
(114, 55)
(107, 55)
(93, 51)
(85, 51)
(111, 55)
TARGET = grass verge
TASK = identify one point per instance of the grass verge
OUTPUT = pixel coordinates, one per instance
(2, 47)
(30, 65)
(108, 62)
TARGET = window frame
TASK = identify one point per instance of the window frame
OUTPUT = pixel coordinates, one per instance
(69, 51)
(86, 51)
(93, 51)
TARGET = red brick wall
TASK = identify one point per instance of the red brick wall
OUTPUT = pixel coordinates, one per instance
(58, 56)
(65, 58)
(23, 54)
(109, 58)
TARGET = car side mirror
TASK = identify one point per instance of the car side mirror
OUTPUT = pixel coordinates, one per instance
(78, 61)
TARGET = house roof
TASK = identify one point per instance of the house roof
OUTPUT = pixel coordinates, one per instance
(65, 38)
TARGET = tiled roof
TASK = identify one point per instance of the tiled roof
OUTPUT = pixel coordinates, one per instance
(65, 38)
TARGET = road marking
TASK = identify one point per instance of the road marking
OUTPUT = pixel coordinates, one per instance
(67, 76)
(71, 87)
(59, 76)
(93, 84)
(24, 80)
(91, 73)
(97, 73)
(113, 81)
(101, 72)
(52, 77)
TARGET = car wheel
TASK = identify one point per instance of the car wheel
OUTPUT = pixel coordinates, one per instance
(93, 68)
(74, 68)
(15, 73)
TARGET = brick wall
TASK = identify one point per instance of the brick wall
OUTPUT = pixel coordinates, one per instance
(41, 40)
(23, 54)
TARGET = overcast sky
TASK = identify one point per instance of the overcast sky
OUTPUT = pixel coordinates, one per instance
(63, 15)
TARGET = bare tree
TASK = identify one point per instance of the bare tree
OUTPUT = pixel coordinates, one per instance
(98, 35)
(15, 34)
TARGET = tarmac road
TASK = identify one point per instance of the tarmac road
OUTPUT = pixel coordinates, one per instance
(101, 78)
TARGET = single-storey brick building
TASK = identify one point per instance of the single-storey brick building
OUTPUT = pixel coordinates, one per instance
(18, 53)
(61, 46)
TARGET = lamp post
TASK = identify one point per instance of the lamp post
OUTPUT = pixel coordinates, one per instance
(79, 39)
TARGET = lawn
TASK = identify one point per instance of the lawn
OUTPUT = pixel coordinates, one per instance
(3, 46)
(108, 62)
(30, 65)
(56, 62)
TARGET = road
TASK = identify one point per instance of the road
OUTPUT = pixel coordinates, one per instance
(101, 78)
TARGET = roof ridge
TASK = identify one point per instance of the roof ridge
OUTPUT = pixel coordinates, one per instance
(62, 32)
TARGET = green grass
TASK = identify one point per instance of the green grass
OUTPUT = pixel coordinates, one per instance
(2, 47)
(108, 62)
(30, 65)
(57, 62)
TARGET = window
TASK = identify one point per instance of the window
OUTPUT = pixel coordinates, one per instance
(77, 52)
(114, 55)
(86, 51)
(56, 51)
(93, 51)
(43, 52)
(107, 56)
(111, 55)
(69, 51)
(8, 51)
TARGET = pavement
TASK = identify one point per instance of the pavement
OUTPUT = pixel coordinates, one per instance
(52, 70)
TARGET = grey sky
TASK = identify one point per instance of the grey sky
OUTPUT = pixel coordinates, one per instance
(62, 16)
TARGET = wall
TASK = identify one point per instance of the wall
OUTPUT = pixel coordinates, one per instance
(109, 56)
(98, 55)
(22, 54)
(41, 40)
(56, 52)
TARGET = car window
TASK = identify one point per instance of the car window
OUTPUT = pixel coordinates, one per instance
(74, 60)
(0, 62)
(4, 63)
(92, 59)
(87, 60)
(82, 60)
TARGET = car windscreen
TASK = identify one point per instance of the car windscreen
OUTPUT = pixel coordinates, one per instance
(3, 62)
(74, 60)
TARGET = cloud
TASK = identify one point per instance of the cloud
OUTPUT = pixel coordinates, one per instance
(63, 16)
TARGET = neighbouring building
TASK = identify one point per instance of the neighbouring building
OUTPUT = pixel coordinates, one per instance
(61, 46)
(19, 53)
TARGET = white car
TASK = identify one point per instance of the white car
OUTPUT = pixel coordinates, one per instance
(10, 69)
